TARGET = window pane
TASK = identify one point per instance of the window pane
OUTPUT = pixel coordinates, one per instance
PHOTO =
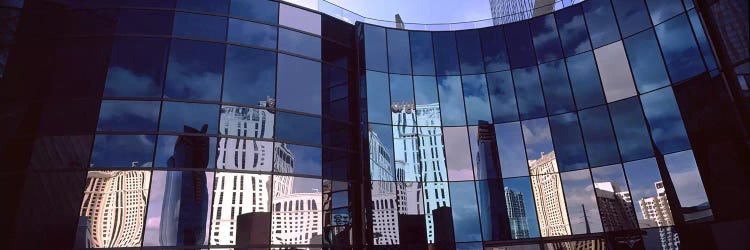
(584, 78)
(613, 68)
(251, 33)
(551, 209)
(245, 154)
(194, 70)
(705, 46)
(502, 97)
(375, 48)
(465, 213)
(398, 51)
(405, 150)
(518, 37)
(299, 19)
(299, 85)
(457, 154)
(645, 59)
(402, 100)
(136, 67)
(688, 185)
(556, 87)
(679, 48)
(601, 145)
(298, 128)
(296, 159)
(613, 195)
(426, 96)
(199, 26)
(180, 116)
(378, 99)
(492, 210)
(566, 132)
(663, 115)
(246, 122)
(451, 101)
(645, 181)
(663, 9)
(546, 39)
(630, 128)
(299, 43)
(521, 211)
(446, 57)
(538, 141)
(529, 93)
(573, 32)
(632, 16)
(128, 116)
(338, 55)
(241, 205)
(146, 22)
(267, 11)
(383, 200)
(423, 61)
(601, 22)
(493, 47)
(469, 52)
(185, 151)
(476, 99)
(510, 150)
(382, 165)
(581, 201)
(218, 6)
(484, 150)
(122, 151)
(249, 76)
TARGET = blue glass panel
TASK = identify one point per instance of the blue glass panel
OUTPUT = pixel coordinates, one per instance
(267, 11)
(214, 6)
(546, 39)
(569, 149)
(584, 78)
(186, 151)
(601, 145)
(646, 62)
(123, 151)
(665, 121)
(381, 152)
(700, 34)
(510, 150)
(299, 160)
(573, 32)
(529, 93)
(643, 178)
(298, 128)
(469, 52)
(465, 213)
(200, 26)
(502, 97)
(451, 101)
(398, 51)
(446, 56)
(521, 211)
(194, 70)
(147, 22)
(375, 48)
(299, 43)
(402, 97)
(128, 116)
(483, 145)
(680, 51)
(136, 67)
(521, 51)
(662, 10)
(581, 201)
(601, 22)
(299, 84)
(631, 15)
(556, 87)
(428, 105)
(423, 61)
(493, 48)
(249, 75)
(630, 128)
(178, 116)
(251, 33)
(688, 186)
(537, 137)
(476, 99)
(610, 185)
(491, 209)
(378, 99)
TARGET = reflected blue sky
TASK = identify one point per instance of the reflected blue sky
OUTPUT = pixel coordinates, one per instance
(523, 185)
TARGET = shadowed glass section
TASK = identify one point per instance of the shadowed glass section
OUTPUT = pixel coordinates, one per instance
(398, 51)
(601, 145)
(299, 43)
(663, 9)
(556, 87)
(136, 67)
(683, 171)
(446, 56)
(613, 68)
(122, 151)
(147, 22)
(299, 85)
(665, 121)
(630, 128)
(465, 213)
(492, 211)
(518, 37)
(378, 99)
(199, 26)
(546, 39)
(451, 100)
(645, 60)
(176, 115)
(680, 50)
(423, 61)
(185, 151)
(700, 34)
(251, 33)
(375, 51)
(601, 22)
(647, 189)
(572, 29)
(298, 128)
(476, 99)
(218, 6)
(266, 11)
(529, 93)
(571, 154)
(493, 48)
(502, 97)
(249, 75)
(469, 52)
(128, 116)
(584, 78)
(510, 150)
(194, 70)
(581, 201)
(631, 15)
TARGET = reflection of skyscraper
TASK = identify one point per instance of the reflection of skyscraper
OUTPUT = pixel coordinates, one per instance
(548, 196)
(508, 11)
(115, 204)
(519, 224)
(655, 210)
(615, 207)
(297, 218)
(236, 194)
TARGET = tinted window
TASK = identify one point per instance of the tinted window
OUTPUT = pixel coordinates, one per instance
(128, 116)
(378, 99)
(688, 185)
(426, 96)
(490, 202)
(538, 139)
(615, 73)
(185, 151)
(483, 149)
(381, 152)
(631, 15)
(556, 87)
(569, 148)
(402, 95)
(299, 85)
(663, 9)
(246, 122)
(299, 19)
(267, 11)
(643, 177)
(518, 38)
(123, 151)
(180, 116)
(546, 39)
(476, 99)
(665, 121)
(465, 213)
(493, 48)
(451, 100)
(200, 26)
(679, 48)
(469, 52)
(147, 22)
(218, 6)
(136, 67)
(510, 150)
(610, 186)
(251, 33)
(298, 128)
(708, 54)
(375, 48)
(601, 145)
(405, 152)
(446, 57)
(581, 201)
(224, 193)
(573, 32)
(630, 128)
(296, 159)
(520, 206)
(502, 97)
(194, 70)
(584, 78)
(249, 75)
(338, 55)
(457, 154)
(423, 62)
(529, 93)
(601, 22)
(645, 60)
(398, 51)
(299, 43)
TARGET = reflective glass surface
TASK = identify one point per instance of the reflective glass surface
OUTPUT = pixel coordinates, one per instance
(457, 154)
(451, 101)
(630, 128)
(546, 38)
(518, 37)
(494, 50)
(663, 9)
(502, 96)
(378, 99)
(219, 6)
(375, 52)
(188, 117)
(572, 30)
(465, 213)
(601, 22)
(581, 201)
(529, 93)
(538, 140)
(665, 121)
(147, 22)
(299, 43)
(423, 60)
(298, 128)
(680, 50)
(426, 97)
(522, 214)
(299, 85)
(646, 62)
(570, 152)
(584, 80)
(556, 87)
(476, 99)
(194, 70)
(249, 75)
(510, 149)
(446, 56)
(601, 145)
(199, 26)
(128, 116)
(122, 151)
(299, 19)
(615, 74)
(398, 51)
(631, 15)
(136, 67)
(469, 52)
(266, 11)
(251, 33)
(612, 194)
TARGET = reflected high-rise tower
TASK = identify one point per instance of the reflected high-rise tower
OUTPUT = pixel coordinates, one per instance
(548, 196)
(508, 11)
(656, 212)
(519, 224)
(615, 207)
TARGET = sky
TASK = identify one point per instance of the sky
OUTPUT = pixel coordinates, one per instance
(413, 11)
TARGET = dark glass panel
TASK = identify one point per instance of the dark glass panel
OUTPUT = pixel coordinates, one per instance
(194, 70)
(200, 26)
(267, 11)
(398, 51)
(518, 38)
(476, 99)
(584, 78)
(299, 84)
(336, 85)
(662, 10)
(538, 140)
(148, 3)
(428, 105)
(469, 52)
(630, 128)
(465, 212)
(446, 56)
(519, 200)
(451, 101)
(613, 196)
(337, 30)
(298, 128)
(529, 93)
(483, 145)
(556, 87)
(631, 15)
(615, 73)
(338, 55)
(375, 48)
(215, 6)
(250, 33)
(573, 32)
(178, 116)
(700, 34)
(663, 115)
(601, 145)
(249, 76)
(646, 185)
(546, 39)
(571, 154)
(683, 171)
(492, 210)
(381, 152)
(680, 51)
(146, 22)
(458, 154)
(510, 150)
(601, 22)
(136, 67)
(493, 48)
(185, 151)
(581, 201)
(299, 43)
(423, 61)
(646, 62)
(378, 99)
(296, 159)
(299, 19)
(502, 97)
(123, 151)
(241, 205)
(128, 116)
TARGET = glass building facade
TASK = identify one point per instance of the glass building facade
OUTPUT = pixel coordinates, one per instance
(248, 124)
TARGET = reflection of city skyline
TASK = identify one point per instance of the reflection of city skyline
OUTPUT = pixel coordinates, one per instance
(548, 196)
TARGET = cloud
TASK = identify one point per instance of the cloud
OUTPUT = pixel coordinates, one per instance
(124, 82)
